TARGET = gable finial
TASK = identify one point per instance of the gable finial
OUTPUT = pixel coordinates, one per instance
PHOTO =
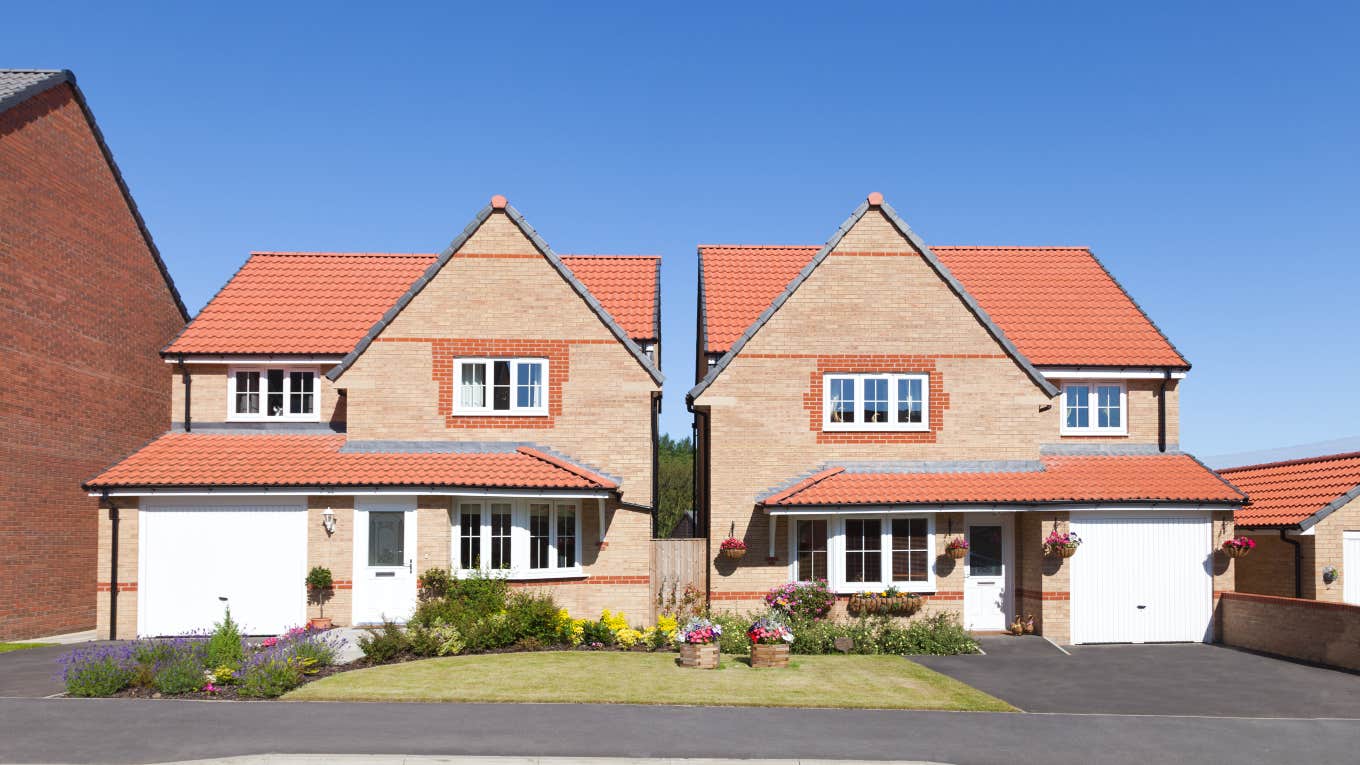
(498, 202)
(875, 198)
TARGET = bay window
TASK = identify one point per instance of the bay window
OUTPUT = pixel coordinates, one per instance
(527, 538)
(864, 552)
(262, 394)
(1094, 409)
(501, 386)
(875, 402)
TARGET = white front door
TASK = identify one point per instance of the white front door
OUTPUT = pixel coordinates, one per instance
(1350, 566)
(1142, 578)
(384, 560)
(986, 592)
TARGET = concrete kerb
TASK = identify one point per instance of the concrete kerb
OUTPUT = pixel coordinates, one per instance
(356, 759)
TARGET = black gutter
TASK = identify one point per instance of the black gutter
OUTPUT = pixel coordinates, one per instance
(1298, 563)
(113, 568)
(1161, 412)
(656, 460)
(188, 390)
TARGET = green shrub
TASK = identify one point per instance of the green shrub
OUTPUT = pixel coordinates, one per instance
(817, 637)
(181, 674)
(435, 640)
(529, 616)
(734, 626)
(92, 672)
(435, 583)
(312, 650)
(225, 648)
(479, 593)
(596, 632)
(939, 634)
(270, 675)
(384, 643)
(801, 600)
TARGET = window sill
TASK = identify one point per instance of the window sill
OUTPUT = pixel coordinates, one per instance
(915, 588)
(299, 418)
(1093, 433)
(499, 413)
(517, 575)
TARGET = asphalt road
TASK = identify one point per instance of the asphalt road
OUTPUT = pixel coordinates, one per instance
(122, 731)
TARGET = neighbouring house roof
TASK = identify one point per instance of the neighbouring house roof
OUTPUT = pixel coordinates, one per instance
(1034, 294)
(1296, 492)
(19, 85)
(1048, 480)
(323, 303)
(188, 460)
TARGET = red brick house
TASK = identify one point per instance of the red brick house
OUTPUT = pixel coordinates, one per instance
(864, 403)
(1304, 516)
(87, 302)
(492, 407)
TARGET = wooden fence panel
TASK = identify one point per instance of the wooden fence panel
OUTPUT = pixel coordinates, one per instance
(675, 564)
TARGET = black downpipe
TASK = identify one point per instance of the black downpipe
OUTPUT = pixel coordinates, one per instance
(188, 390)
(656, 461)
(113, 568)
(702, 493)
(1161, 411)
(1298, 563)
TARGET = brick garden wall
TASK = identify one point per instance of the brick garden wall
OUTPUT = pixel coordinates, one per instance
(83, 311)
(1308, 630)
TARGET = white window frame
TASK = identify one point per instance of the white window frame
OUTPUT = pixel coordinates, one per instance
(835, 553)
(487, 409)
(519, 538)
(891, 425)
(263, 414)
(1093, 405)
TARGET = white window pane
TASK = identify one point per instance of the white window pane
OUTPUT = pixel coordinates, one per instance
(1078, 406)
(876, 400)
(811, 557)
(909, 401)
(301, 392)
(501, 523)
(470, 536)
(247, 392)
(863, 550)
(529, 385)
(500, 386)
(842, 399)
(540, 534)
(473, 386)
(274, 396)
(566, 536)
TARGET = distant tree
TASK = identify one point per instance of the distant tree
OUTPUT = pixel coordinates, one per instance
(676, 478)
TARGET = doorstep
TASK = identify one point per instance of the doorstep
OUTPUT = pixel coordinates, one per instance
(67, 638)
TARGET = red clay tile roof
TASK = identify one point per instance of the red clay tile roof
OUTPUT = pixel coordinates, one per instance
(1035, 294)
(1287, 493)
(323, 303)
(190, 459)
(1162, 478)
(625, 285)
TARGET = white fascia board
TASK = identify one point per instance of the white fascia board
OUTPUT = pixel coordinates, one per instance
(1123, 373)
(257, 360)
(994, 508)
(343, 492)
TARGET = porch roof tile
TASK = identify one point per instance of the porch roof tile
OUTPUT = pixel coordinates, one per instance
(1152, 478)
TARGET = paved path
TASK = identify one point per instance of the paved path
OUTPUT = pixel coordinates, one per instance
(120, 731)
(1182, 679)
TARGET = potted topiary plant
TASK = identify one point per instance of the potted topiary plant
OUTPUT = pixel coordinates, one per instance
(698, 641)
(319, 590)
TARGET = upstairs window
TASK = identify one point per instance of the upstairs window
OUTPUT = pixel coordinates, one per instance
(501, 386)
(261, 394)
(1094, 409)
(875, 402)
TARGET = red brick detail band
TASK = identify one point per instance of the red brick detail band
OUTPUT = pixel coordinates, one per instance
(1321, 605)
(609, 580)
(122, 587)
(1040, 595)
(444, 350)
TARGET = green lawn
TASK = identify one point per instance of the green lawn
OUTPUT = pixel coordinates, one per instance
(7, 647)
(879, 682)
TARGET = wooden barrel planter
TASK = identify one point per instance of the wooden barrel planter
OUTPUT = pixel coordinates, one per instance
(770, 656)
(699, 655)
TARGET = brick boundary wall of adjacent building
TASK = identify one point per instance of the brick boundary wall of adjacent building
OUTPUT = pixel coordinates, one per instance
(1308, 630)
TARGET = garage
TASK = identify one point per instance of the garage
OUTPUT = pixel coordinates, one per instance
(1142, 578)
(197, 557)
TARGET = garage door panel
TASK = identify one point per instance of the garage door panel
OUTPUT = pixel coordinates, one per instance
(197, 559)
(1141, 578)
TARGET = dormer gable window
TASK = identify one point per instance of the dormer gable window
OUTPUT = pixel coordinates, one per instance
(894, 402)
(265, 394)
(517, 387)
(1094, 408)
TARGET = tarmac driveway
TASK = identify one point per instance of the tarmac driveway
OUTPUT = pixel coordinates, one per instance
(1161, 679)
(33, 672)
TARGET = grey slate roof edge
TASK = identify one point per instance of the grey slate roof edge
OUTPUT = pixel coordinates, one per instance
(1330, 508)
(444, 257)
(1138, 306)
(53, 78)
(256, 428)
(942, 466)
(789, 483)
(67, 76)
(1215, 474)
(954, 285)
(1105, 450)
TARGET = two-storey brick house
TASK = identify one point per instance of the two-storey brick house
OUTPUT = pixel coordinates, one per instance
(85, 304)
(862, 404)
(491, 407)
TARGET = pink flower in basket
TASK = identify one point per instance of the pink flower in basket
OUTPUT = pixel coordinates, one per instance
(732, 543)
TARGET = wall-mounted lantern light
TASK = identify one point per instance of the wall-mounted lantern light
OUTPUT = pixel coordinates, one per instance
(328, 521)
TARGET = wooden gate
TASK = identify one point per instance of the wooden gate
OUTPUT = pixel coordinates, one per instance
(675, 565)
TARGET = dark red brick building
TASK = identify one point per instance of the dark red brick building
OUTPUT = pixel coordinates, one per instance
(85, 305)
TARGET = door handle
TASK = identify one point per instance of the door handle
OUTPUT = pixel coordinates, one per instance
(1140, 608)
(410, 565)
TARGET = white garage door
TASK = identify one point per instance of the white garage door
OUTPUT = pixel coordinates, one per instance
(1142, 579)
(197, 558)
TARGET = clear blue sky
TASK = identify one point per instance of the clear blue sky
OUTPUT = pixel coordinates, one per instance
(1208, 155)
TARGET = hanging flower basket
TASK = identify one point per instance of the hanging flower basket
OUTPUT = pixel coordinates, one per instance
(733, 548)
(1061, 544)
(957, 548)
(1239, 546)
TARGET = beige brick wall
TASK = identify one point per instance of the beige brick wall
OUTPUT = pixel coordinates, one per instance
(127, 569)
(605, 402)
(1142, 415)
(1269, 569)
(333, 551)
(208, 396)
(1308, 630)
